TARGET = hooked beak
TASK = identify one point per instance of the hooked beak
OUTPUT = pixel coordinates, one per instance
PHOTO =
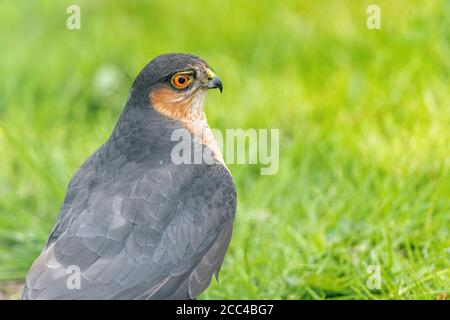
(214, 81)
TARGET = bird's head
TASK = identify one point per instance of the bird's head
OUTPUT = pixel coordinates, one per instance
(176, 85)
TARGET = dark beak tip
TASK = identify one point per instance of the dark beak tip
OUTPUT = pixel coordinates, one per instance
(216, 83)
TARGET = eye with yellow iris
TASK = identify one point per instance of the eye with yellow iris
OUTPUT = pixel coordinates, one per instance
(181, 80)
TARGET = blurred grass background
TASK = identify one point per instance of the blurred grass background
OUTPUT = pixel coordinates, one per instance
(364, 117)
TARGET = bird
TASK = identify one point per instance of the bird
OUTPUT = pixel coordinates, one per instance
(134, 224)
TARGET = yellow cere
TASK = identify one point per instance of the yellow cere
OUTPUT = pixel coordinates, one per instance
(210, 74)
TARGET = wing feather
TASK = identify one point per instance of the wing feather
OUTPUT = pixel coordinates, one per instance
(146, 233)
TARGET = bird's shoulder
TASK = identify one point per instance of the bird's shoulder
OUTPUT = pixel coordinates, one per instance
(151, 184)
(154, 219)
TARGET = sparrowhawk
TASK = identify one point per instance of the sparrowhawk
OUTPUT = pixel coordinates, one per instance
(135, 224)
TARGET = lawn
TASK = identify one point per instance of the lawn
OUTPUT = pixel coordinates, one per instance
(364, 115)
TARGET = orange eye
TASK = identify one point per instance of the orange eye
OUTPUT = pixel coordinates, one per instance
(181, 80)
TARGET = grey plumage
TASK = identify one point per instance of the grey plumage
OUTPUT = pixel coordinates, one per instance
(137, 225)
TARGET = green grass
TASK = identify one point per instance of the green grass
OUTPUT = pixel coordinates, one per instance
(364, 115)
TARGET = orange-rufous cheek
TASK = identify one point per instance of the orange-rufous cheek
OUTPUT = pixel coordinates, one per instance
(171, 104)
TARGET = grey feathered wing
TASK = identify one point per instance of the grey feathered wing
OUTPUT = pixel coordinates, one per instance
(144, 230)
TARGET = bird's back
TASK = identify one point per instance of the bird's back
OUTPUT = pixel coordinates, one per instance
(137, 226)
